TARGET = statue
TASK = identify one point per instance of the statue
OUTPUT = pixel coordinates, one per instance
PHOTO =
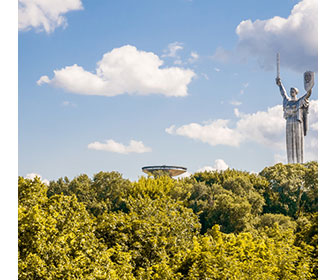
(296, 115)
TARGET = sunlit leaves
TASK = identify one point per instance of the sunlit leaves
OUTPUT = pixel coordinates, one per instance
(212, 225)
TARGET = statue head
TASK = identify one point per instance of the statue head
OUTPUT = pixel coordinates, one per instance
(294, 92)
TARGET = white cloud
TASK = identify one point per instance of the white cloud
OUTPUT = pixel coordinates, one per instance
(32, 176)
(236, 112)
(264, 127)
(115, 147)
(123, 70)
(214, 133)
(45, 14)
(172, 52)
(294, 37)
(172, 49)
(43, 80)
(313, 115)
(218, 166)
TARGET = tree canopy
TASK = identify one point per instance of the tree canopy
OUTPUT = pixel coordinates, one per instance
(212, 225)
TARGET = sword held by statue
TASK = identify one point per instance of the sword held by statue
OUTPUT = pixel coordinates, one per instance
(278, 65)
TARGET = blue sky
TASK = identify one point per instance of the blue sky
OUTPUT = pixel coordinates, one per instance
(117, 85)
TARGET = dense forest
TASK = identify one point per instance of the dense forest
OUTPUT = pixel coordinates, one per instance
(212, 225)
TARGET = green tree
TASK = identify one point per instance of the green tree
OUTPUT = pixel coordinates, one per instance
(292, 188)
(156, 233)
(227, 256)
(284, 223)
(307, 234)
(212, 225)
(105, 192)
(229, 198)
(56, 238)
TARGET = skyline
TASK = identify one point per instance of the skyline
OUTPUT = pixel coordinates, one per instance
(192, 86)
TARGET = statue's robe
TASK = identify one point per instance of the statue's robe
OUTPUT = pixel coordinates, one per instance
(296, 115)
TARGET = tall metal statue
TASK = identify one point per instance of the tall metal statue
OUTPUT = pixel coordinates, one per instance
(296, 115)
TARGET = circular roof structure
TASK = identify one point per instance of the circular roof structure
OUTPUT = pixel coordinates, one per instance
(157, 170)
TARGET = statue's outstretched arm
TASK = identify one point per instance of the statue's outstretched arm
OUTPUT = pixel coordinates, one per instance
(282, 89)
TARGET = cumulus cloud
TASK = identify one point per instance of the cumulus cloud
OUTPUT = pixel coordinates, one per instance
(123, 70)
(295, 37)
(218, 166)
(214, 133)
(115, 147)
(45, 14)
(32, 176)
(264, 127)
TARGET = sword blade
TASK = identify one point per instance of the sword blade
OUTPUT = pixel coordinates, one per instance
(278, 64)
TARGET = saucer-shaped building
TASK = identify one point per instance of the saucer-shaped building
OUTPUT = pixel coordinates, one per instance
(159, 170)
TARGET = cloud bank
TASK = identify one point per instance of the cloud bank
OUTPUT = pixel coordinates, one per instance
(45, 14)
(218, 166)
(115, 147)
(294, 37)
(123, 70)
(263, 127)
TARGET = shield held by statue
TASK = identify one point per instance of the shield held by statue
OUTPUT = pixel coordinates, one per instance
(308, 80)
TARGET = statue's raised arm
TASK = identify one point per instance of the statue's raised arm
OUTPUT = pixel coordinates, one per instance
(282, 89)
(308, 94)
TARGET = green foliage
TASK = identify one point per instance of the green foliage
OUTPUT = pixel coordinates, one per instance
(229, 198)
(212, 225)
(284, 223)
(56, 238)
(307, 235)
(31, 192)
(154, 233)
(104, 193)
(292, 189)
(228, 256)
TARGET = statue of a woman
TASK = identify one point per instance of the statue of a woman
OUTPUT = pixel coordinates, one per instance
(296, 115)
